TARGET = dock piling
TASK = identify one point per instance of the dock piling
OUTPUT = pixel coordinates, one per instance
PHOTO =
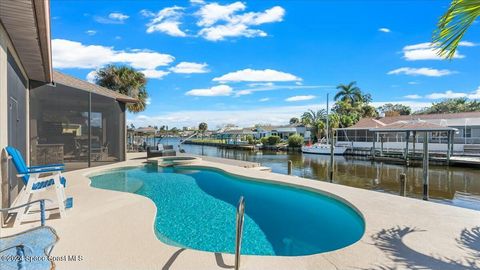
(290, 166)
(332, 161)
(425, 167)
(403, 184)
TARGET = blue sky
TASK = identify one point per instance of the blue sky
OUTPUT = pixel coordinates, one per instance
(263, 61)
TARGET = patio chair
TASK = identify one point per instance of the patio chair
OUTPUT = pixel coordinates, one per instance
(34, 183)
(15, 250)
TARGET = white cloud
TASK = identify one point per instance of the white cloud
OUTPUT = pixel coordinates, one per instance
(113, 18)
(222, 21)
(252, 75)
(413, 96)
(427, 51)
(467, 44)
(218, 90)
(221, 32)
(300, 98)
(412, 83)
(197, 2)
(384, 30)
(446, 94)
(264, 99)
(118, 16)
(430, 72)
(91, 76)
(154, 74)
(275, 115)
(90, 32)
(190, 67)
(166, 21)
(72, 54)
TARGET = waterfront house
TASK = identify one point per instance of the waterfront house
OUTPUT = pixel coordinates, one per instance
(283, 132)
(48, 116)
(466, 139)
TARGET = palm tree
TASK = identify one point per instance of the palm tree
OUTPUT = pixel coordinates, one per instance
(203, 127)
(310, 117)
(454, 24)
(294, 120)
(127, 81)
(349, 92)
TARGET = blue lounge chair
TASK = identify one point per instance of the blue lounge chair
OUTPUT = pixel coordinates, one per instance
(33, 183)
(15, 250)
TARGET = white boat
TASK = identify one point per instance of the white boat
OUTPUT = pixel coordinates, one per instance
(323, 149)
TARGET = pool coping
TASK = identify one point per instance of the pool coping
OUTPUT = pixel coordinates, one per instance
(399, 232)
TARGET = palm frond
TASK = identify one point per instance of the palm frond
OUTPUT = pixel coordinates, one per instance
(453, 25)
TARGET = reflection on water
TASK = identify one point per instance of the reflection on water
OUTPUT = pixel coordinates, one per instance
(451, 185)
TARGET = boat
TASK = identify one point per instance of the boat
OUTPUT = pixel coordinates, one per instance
(323, 149)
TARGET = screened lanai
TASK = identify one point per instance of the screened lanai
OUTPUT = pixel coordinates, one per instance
(76, 123)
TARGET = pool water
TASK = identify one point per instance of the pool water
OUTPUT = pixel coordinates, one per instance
(196, 208)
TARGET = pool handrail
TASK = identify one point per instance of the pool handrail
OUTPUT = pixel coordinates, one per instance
(239, 231)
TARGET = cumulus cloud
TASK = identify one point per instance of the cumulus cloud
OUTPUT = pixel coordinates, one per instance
(91, 76)
(155, 74)
(166, 21)
(252, 75)
(428, 51)
(223, 21)
(218, 90)
(384, 30)
(72, 54)
(190, 67)
(214, 21)
(113, 18)
(299, 98)
(430, 72)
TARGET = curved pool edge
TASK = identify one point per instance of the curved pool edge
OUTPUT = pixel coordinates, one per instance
(296, 187)
(98, 210)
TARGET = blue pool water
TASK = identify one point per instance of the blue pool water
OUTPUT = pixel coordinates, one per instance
(196, 209)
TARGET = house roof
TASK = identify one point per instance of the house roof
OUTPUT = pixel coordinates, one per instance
(447, 119)
(68, 80)
(412, 125)
(27, 23)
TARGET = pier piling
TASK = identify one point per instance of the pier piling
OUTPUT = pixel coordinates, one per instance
(290, 166)
(425, 167)
(403, 184)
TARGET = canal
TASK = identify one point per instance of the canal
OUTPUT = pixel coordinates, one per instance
(450, 185)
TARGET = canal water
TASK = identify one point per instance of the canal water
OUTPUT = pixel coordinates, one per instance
(450, 185)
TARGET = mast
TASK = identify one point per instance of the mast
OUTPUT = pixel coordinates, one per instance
(327, 121)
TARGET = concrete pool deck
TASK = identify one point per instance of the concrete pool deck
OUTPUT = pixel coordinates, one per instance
(114, 230)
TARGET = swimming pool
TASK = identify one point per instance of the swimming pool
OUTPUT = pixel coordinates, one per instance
(196, 209)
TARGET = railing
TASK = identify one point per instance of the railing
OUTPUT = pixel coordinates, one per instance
(239, 231)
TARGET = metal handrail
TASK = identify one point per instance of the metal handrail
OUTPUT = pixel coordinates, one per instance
(42, 208)
(239, 231)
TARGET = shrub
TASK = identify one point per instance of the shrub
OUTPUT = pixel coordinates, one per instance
(295, 141)
(250, 139)
(273, 140)
(264, 140)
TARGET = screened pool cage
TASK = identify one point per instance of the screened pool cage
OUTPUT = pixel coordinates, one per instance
(75, 127)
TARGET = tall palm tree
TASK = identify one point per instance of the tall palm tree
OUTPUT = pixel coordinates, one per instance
(454, 24)
(349, 92)
(127, 81)
(311, 117)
